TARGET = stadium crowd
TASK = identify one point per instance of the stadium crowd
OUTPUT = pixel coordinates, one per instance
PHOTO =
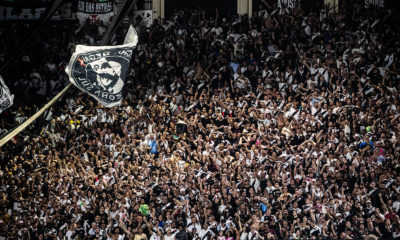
(282, 126)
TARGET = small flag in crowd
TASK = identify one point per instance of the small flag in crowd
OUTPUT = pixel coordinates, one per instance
(6, 98)
(144, 209)
(100, 71)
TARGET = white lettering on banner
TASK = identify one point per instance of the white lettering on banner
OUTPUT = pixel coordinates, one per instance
(109, 7)
(96, 56)
(81, 6)
(99, 8)
(125, 53)
(95, 7)
(90, 7)
(377, 3)
(93, 57)
(86, 83)
(6, 13)
(103, 7)
(108, 96)
(287, 3)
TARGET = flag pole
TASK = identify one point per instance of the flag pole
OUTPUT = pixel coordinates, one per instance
(32, 118)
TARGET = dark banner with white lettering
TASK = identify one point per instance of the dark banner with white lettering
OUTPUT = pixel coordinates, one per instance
(375, 3)
(27, 4)
(288, 3)
(393, 5)
(95, 7)
(100, 71)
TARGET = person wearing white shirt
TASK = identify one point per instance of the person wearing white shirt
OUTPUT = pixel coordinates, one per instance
(169, 235)
(203, 233)
(254, 234)
(396, 204)
(192, 223)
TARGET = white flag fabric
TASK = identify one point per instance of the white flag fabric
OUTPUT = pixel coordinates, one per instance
(100, 71)
(6, 98)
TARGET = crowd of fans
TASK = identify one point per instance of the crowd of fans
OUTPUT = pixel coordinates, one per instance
(284, 125)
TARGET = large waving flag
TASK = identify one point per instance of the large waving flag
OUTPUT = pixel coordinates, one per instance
(100, 71)
(6, 98)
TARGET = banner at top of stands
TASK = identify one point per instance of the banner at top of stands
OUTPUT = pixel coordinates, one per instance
(31, 10)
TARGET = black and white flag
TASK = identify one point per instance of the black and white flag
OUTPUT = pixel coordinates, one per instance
(6, 98)
(100, 71)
